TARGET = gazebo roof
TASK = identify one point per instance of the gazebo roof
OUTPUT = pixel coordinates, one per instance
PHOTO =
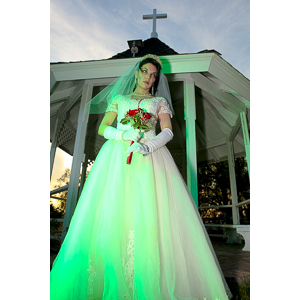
(222, 93)
(152, 46)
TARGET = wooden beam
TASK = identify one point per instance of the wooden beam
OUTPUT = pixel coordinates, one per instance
(71, 100)
(245, 101)
(58, 198)
(172, 64)
(235, 129)
(210, 107)
(116, 67)
(214, 206)
(230, 102)
(230, 76)
(212, 89)
(243, 203)
(59, 190)
(55, 219)
(226, 128)
(61, 95)
(218, 107)
(53, 81)
(215, 154)
(213, 144)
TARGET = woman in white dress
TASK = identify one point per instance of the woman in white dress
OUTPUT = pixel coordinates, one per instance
(136, 232)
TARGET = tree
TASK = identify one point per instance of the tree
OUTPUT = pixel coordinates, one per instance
(214, 189)
(57, 208)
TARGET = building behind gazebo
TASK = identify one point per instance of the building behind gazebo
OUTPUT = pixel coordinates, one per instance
(211, 100)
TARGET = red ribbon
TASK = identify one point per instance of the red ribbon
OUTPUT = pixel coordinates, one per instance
(129, 158)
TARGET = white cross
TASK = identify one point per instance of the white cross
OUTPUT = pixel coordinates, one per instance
(154, 17)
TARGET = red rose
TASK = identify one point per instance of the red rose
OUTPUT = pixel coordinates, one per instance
(132, 112)
(146, 116)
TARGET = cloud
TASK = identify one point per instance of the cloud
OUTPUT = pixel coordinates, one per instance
(84, 33)
(87, 30)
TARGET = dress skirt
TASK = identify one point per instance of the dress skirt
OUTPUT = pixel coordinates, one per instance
(136, 234)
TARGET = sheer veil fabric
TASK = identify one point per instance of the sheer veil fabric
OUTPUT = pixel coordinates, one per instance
(124, 85)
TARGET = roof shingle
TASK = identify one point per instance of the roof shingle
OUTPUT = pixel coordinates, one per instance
(151, 46)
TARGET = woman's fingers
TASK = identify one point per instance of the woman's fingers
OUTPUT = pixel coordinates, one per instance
(133, 148)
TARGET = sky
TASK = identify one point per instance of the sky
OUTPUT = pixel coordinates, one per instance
(98, 29)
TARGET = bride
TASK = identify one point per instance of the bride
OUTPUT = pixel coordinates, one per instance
(136, 232)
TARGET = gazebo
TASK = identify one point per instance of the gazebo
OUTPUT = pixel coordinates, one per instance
(211, 100)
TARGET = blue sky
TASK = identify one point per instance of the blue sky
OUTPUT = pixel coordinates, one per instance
(98, 29)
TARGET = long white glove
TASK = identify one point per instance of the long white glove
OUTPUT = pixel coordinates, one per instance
(131, 134)
(159, 141)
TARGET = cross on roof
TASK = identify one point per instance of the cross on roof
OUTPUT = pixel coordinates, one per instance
(154, 16)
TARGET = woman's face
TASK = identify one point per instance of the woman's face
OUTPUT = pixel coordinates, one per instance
(146, 76)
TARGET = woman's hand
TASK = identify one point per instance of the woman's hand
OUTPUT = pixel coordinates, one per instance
(135, 148)
(132, 135)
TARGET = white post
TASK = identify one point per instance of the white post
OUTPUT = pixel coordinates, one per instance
(191, 150)
(233, 189)
(78, 157)
(246, 139)
(83, 174)
(53, 146)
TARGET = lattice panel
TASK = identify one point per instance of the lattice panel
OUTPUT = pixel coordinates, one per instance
(92, 153)
(65, 135)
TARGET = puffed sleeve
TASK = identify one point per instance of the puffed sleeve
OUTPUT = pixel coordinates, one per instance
(113, 104)
(164, 107)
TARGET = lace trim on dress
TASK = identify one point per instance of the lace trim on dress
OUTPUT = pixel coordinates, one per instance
(91, 278)
(129, 265)
(113, 105)
(164, 108)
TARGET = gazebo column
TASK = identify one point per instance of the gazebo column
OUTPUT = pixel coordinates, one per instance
(246, 139)
(233, 189)
(78, 157)
(191, 150)
(53, 147)
(83, 173)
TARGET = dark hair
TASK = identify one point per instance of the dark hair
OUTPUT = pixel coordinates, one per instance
(158, 67)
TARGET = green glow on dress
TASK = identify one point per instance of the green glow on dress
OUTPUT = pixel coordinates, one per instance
(136, 232)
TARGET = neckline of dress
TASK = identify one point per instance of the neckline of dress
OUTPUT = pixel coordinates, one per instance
(129, 96)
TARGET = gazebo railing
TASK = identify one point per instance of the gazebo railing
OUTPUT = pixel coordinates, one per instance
(224, 206)
(53, 192)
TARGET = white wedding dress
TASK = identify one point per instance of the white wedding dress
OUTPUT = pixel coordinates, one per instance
(136, 232)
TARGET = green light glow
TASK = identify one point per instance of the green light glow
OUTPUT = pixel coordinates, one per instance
(135, 234)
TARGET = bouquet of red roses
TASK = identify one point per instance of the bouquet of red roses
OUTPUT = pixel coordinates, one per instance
(139, 119)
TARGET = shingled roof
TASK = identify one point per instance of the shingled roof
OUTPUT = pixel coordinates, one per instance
(152, 46)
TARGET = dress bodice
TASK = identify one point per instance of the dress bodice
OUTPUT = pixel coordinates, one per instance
(155, 106)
